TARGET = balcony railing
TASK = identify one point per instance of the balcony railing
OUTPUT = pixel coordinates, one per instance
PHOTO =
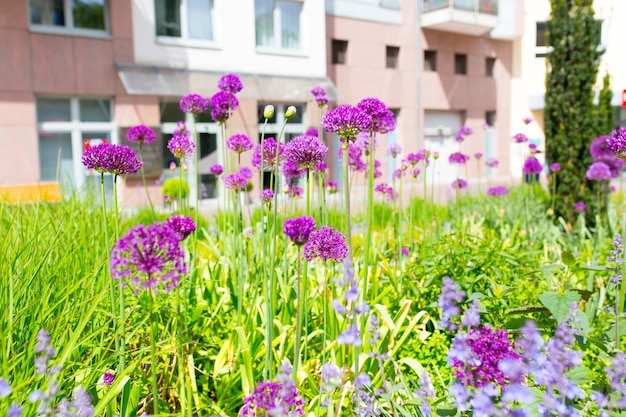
(477, 6)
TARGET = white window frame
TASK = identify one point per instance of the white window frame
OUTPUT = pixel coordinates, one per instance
(69, 28)
(278, 32)
(184, 39)
(76, 128)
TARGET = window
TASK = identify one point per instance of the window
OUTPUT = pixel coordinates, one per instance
(430, 60)
(65, 126)
(339, 51)
(490, 118)
(392, 56)
(186, 19)
(542, 39)
(277, 23)
(73, 15)
(296, 126)
(460, 64)
(209, 152)
(490, 64)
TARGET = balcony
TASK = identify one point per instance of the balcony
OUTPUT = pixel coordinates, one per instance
(467, 17)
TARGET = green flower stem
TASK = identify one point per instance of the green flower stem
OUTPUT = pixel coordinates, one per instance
(303, 298)
(153, 337)
(400, 209)
(111, 283)
(622, 288)
(425, 205)
(181, 200)
(122, 315)
(145, 185)
(370, 217)
(346, 194)
(296, 346)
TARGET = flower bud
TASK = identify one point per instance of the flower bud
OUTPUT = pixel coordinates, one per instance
(268, 111)
(291, 111)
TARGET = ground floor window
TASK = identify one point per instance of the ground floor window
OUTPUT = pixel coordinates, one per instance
(65, 126)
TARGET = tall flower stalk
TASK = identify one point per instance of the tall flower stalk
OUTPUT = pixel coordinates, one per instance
(143, 135)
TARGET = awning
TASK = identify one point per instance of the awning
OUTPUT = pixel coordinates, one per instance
(175, 82)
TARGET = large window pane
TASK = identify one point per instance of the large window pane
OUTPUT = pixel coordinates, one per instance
(53, 110)
(55, 157)
(199, 18)
(290, 24)
(47, 12)
(95, 110)
(264, 22)
(171, 112)
(88, 14)
(168, 17)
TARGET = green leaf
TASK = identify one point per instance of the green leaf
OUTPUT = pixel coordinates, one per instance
(568, 258)
(559, 304)
(580, 375)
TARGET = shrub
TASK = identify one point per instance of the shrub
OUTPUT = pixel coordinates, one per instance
(174, 187)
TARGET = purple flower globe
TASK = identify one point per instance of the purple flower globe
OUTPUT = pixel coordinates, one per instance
(239, 143)
(459, 183)
(230, 83)
(321, 101)
(216, 170)
(182, 225)
(194, 104)
(318, 91)
(599, 171)
(181, 146)
(236, 181)
(299, 229)
(520, 138)
(312, 131)
(292, 171)
(273, 399)
(149, 258)
(346, 121)
(555, 167)
(108, 378)
(580, 207)
(141, 134)
(375, 108)
(325, 244)
(458, 158)
(321, 167)
(267, 195)
(332, 187)
(246, 172)
(305, 151)
(394, 149)
(223, 105)
(498, 191)
(532, 166)
(113, 159)
(478, 155)
(268, 149)
(491, 162)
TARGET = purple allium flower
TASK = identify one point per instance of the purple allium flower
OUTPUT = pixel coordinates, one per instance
(268, 148)
(435, 155)
(385, 124)
(598, 171)
(462, 133)
(354, 157)
(230, 83)
(458, 158)
(527, 120)
(498, 191)
(375, 108)
(405, 251)
(555, 167)
(599, 148)
(5, 388)
(415, 172)
(298, 229)
(182, 225)
(381, 188)
(398, 173)
(394, 149)
(141, 134)
(181, 146)
(114, 159)
(580, 207)
(293, 191)
(291, 170)
(273, 399)
(451, 294)
(216, 170)
(194, 103)
(321, 101)
(520, 138)
(305, 151)
(312, 131)
(321, 167)
(324, 244)
(236, 181)
(491, 162)
(108, 378)
(267, 195)
(239, 143)
(459, 183)
(478, 155)
(181, 130)
(148, 257)
(413, 158)
(246, 172)
(223, 105)
(332, 187)
(318, 91)
(532, 166)
(346, 121)
(173, 166)
(475, 356)
(425, 154)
